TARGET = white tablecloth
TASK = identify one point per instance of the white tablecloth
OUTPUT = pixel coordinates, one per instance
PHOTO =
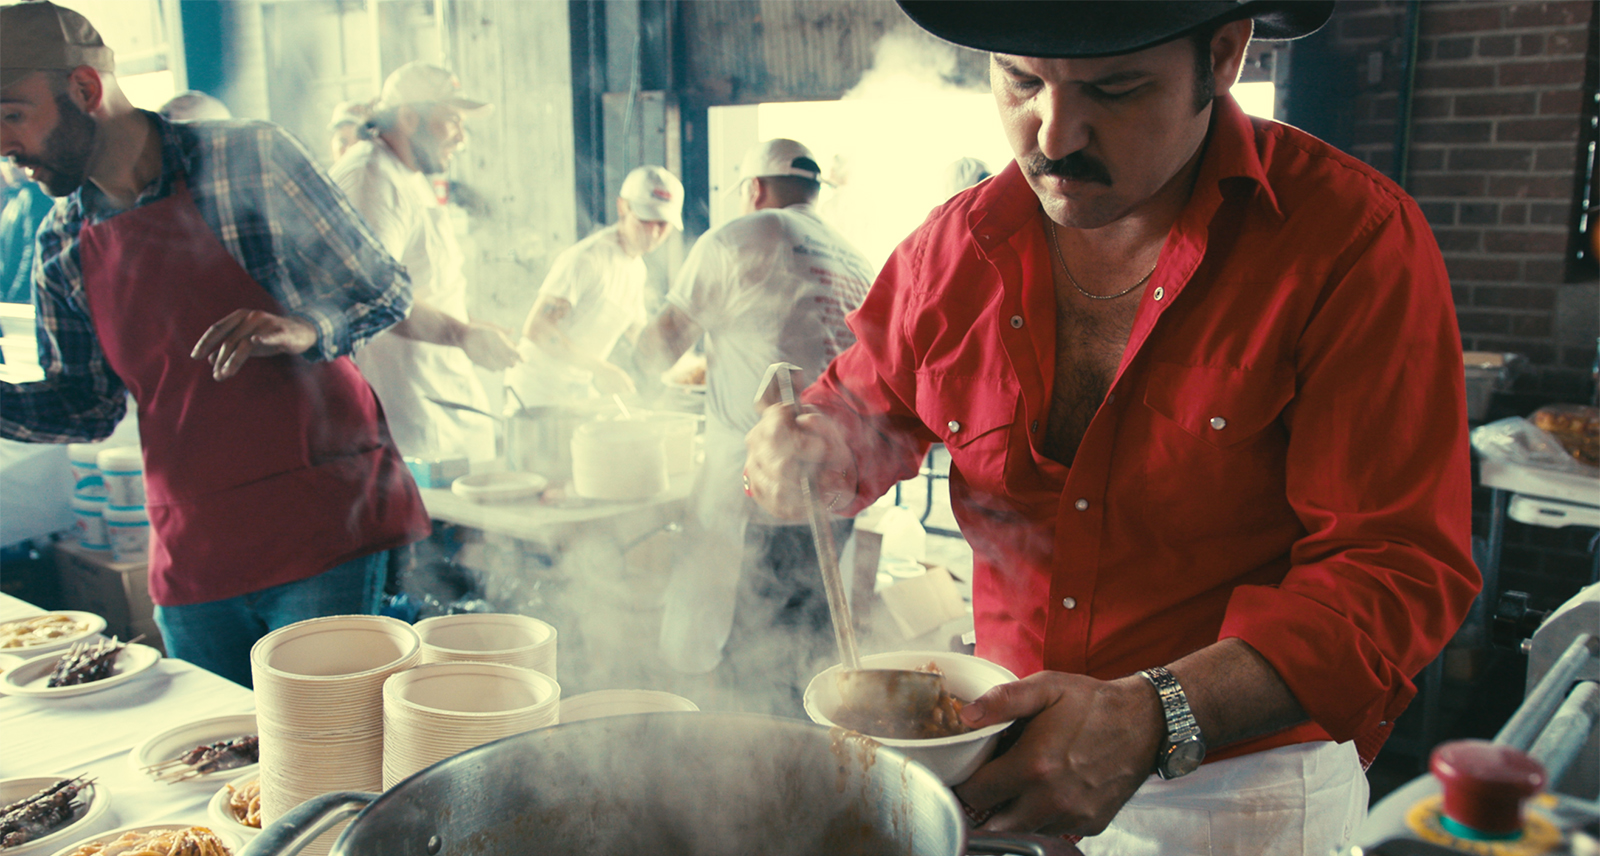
(93, 735)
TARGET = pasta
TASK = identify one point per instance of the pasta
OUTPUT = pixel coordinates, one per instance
(194, 841)
(245, 803)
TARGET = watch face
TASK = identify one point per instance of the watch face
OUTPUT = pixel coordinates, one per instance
(1184, 758)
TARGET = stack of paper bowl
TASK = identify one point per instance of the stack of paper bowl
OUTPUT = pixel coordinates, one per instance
(319, 707)
(593, 705)
(514, 640)
(435, 711)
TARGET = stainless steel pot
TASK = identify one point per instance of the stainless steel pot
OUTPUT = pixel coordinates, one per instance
(539, 439)
(698, 784)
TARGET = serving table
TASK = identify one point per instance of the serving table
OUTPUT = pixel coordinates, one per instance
(93, 735)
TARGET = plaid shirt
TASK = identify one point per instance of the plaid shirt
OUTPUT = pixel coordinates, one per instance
(277, 215)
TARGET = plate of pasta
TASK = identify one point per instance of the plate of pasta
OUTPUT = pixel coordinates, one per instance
(160, 839)
(236, 806)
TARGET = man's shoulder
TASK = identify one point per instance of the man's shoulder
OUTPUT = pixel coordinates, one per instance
(1312, 176)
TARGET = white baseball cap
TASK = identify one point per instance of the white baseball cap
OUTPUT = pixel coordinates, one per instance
(779, 157)
(420, 82)
(654, 194)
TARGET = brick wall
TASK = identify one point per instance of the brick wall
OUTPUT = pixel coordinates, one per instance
(1493, 161)
(1497, 113)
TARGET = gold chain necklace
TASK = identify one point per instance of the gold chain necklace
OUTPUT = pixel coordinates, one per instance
(1050, 229)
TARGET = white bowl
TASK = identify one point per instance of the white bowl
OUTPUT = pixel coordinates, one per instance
(177, 740)
(84, 823)
(593, 705)
(953, 759)
(89, 625)
(516, 640)
(229, 840)
(221, 813)
(32, 678)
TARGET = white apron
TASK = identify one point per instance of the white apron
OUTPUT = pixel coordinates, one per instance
(702, 593)
(1302, 799)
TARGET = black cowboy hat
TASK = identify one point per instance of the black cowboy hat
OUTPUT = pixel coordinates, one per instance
(1091, 28)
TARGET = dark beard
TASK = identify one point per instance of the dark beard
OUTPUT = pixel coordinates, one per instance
(1076, 166)
(66, 151)
(425, 150)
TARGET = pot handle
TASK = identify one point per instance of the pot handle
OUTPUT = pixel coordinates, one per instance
(291, 833)
(1014, 843)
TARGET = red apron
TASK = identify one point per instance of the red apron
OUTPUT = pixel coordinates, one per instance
(277, 474)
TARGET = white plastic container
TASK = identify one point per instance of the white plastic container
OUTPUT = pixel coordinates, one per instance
(123, 471)
(619, 460)
(86, 480)
(89, 518)
(128, 529)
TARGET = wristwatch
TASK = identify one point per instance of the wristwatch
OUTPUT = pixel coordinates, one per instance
(1184, 748)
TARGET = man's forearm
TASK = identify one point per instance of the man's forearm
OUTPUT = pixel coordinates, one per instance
(426, 324)
(1235, 693)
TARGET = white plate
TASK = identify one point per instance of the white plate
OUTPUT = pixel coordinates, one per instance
(9, 662)
(12, 790)
(222, 814)
(229, 840)
(29, 679)
(92, 624)
(174, 742)
(498, 486)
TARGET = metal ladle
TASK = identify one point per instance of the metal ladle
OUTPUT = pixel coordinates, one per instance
(892, 694)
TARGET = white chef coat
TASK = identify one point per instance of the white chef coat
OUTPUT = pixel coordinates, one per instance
(773, 285)
(605, 288)
(400, 205)
(1299, 800)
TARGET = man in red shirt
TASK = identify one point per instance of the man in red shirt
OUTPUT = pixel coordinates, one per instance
(1200, 379)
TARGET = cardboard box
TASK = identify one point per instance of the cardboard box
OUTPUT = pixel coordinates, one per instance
(922, 603)
(119, 592)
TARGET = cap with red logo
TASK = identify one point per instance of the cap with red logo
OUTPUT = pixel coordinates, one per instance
(654, 194)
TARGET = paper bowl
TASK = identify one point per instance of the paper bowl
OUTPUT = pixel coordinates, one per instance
(952, 759)
(334, 649)
(467, 690)
(221, 813)
(515, 640)
(594, 705)
(84, 823)
(228, 839)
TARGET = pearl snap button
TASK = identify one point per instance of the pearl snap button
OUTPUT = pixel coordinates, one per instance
(1069, 602)
(1160, 292)
(1016, 321)
(1081, 505)
(954, 426)
(1218, 423)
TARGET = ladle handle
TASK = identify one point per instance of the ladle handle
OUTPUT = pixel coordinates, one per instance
(822, 537)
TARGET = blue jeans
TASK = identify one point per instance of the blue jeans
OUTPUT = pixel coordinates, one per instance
(217, 635)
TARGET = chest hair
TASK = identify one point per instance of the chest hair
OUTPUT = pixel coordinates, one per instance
(1090, 339)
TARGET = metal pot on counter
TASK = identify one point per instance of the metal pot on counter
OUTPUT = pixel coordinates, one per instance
(706, 784)
(539, 439)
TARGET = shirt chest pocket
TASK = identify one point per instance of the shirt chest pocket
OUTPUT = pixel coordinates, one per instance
(1222, 406)
(972, 416)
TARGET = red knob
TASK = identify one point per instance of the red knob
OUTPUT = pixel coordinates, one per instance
(1485, 785)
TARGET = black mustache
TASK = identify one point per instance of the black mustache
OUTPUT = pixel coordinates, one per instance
(1076, 166)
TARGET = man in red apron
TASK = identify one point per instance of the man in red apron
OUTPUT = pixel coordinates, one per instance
(211, 271)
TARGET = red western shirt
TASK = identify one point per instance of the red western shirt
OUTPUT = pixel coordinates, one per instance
(1282, 456)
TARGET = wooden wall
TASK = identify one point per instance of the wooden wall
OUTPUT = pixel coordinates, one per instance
(520, 158)
(750, 51)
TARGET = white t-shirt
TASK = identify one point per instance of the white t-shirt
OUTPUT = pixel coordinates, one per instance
(773, 285)
(605, 288)
(400, 205)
